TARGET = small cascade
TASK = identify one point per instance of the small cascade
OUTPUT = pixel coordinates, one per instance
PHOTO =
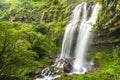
(80, 23)
(54, 71)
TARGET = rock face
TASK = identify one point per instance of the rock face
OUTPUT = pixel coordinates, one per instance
(107, 29)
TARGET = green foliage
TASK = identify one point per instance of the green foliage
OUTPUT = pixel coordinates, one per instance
(14, 52)
(55, 2)
(116, 52)
(29, 11)
(43, 46)
(98, 1)
(21, 48)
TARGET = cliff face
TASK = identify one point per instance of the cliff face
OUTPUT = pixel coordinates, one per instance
(107, 28)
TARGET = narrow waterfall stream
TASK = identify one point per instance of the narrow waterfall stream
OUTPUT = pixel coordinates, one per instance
(82, 23)
(69, 32)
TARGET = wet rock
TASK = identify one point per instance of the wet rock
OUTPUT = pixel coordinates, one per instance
(58, 67)
(67, 66)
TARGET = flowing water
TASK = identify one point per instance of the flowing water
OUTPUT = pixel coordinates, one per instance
(84, 37)
(69, 32)
(82, 23)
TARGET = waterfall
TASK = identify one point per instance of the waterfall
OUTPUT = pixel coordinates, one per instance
(69, 32)
(81, 23)
(84, 37)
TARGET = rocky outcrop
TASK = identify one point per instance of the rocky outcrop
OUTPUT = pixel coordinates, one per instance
(107, 29)
(58, 67)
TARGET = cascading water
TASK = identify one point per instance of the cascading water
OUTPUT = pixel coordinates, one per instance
(84, 26)
(83, 40)
(69, 32)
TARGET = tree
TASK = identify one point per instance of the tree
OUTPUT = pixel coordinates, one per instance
(14, 52)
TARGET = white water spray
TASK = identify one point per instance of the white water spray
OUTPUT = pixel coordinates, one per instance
(69, 32)
(84, 36)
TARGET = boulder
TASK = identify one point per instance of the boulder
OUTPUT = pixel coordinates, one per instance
(67, 66)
